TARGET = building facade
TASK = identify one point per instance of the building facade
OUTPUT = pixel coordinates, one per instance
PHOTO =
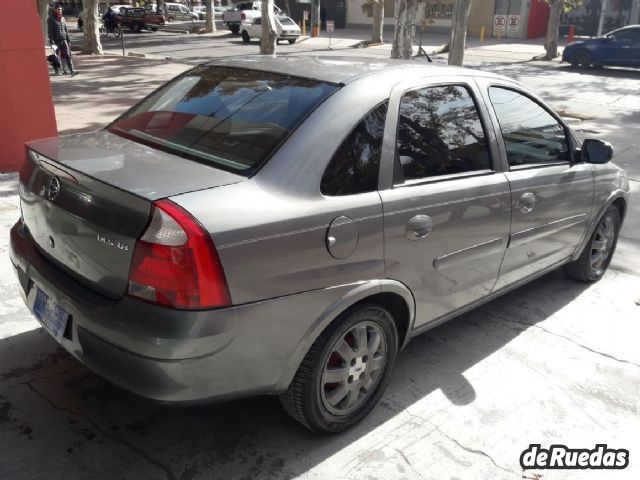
(513, 16)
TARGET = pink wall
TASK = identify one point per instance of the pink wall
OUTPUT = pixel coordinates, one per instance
(26, 107)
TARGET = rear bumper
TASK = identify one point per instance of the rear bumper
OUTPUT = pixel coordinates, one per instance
(171, 355)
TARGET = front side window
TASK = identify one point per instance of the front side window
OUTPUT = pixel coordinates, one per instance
(532, 136)
(440, 133)
(231, 118)
(626, 35)
(355, 165)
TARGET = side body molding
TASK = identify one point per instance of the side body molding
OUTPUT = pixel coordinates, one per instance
(360, 291)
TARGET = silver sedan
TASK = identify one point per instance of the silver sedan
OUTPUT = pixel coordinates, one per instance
(285, 226)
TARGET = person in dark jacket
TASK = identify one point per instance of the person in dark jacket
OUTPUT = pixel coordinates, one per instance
(59, 36)
(109, 19)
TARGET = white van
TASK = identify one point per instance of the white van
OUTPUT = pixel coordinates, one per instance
(287, 29)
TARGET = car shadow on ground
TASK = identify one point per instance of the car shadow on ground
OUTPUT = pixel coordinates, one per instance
(607, 72)
(78, 425)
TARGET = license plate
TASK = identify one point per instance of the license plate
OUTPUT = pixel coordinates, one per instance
(49, 314)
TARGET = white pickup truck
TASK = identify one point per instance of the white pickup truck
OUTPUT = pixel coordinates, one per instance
(244, 12)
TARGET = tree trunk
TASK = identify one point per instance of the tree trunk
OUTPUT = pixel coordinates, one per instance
(459, 25)
(634, 16)
(210, 25)
(404, 31)
(92, 43)
(43, 11)
(378, 21)
(269, 30)
(603, 16)
(551, 40)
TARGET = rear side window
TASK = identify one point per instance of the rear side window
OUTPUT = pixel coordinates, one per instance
(231, 118)
(440, 133)
(531, 135)
(355, 165)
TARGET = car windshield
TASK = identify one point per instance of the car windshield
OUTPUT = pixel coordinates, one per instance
(231, 118)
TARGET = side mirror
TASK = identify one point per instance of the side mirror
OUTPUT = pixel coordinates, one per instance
(596, 151)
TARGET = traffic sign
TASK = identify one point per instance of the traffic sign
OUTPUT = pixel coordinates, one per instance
(513, 25)
(331, 26)
(499, 25)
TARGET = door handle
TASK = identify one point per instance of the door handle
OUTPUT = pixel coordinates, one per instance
(419, 227)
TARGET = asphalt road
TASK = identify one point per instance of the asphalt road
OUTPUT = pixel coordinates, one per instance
(554, 362)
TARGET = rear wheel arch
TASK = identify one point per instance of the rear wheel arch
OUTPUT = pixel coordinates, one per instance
(389, 294)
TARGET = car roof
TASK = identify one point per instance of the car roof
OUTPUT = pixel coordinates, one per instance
(341, 70)
(627, 27)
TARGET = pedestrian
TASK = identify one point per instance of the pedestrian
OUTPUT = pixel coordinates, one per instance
(59, 36)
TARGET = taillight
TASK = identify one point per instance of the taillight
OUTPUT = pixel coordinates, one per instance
(175, 262)
(243, 16)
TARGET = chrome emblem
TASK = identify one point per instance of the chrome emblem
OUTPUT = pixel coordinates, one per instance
(53, 190)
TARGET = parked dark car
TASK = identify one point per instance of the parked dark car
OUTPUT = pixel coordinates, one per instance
(619, 48)
(137, 19)
(286, 225)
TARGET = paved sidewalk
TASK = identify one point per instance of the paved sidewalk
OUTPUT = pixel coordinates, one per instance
(105, 88)
(108, 85)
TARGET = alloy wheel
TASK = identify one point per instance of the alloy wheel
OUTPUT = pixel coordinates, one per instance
(601, 245)
(353, 368)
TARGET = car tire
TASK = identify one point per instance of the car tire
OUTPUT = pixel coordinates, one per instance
(136, 27)
(170, 19)
(292, 41)
(597, 253)
(245, 37)
(581, 58)
(310, 398)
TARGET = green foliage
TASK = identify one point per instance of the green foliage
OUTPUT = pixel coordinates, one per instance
(567, 5)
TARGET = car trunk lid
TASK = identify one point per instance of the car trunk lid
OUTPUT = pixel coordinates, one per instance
(86, 199)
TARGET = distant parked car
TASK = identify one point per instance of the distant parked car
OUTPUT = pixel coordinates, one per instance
(117, 8)
(287, 29)
(286, 225)
(244, 12)
(218, 11)
(176, 12)
(137, 19)
(201, 11)
(617, 48)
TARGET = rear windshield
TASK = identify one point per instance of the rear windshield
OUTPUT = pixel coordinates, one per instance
(231, 118)
(286, 21)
